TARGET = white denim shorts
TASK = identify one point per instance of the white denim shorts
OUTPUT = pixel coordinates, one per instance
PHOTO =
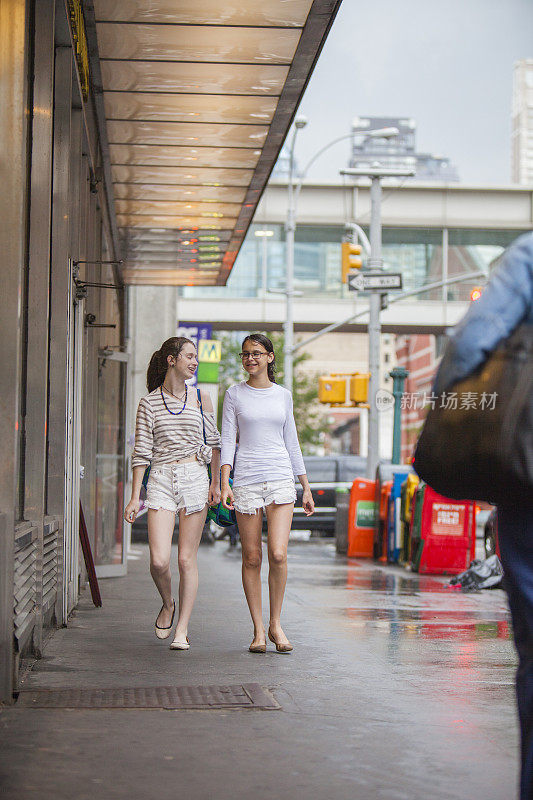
(177, 486)
(247, 499)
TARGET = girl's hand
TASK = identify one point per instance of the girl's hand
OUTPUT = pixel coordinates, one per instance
(214, 494)
(131, 510)
(308, 504)
(227, 498)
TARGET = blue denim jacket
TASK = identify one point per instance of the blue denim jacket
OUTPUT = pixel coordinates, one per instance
(506, 301)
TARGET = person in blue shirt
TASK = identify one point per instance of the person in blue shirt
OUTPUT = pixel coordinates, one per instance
(506, 302)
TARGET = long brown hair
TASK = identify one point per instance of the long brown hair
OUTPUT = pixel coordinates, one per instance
(157, 368)
(260, 338)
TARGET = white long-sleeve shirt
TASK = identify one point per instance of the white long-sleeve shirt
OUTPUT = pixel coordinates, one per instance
(268, 448)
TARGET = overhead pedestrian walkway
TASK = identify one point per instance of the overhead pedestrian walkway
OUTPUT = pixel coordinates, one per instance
(396, 688)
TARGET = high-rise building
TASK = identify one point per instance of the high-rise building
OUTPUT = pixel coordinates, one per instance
(522, 122)
(399, 151)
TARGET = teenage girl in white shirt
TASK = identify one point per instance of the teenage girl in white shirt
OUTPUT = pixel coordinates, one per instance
(265, 461)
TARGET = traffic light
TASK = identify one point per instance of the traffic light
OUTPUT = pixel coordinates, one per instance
(475, 294)
(332, 389)
(359, 387)
(344, 389)
(351, 258)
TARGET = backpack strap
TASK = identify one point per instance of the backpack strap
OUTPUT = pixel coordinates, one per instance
(198, 392)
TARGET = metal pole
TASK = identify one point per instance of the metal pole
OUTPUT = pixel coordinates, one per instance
(288, 327)
(374, 330)
(398, 375)
(264, 266)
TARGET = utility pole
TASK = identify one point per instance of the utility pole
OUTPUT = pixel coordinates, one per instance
(375, 263)
(374, 328)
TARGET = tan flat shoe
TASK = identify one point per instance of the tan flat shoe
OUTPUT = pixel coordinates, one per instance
(257, 648)
(281, 648)
(180, 645)
(164, 633)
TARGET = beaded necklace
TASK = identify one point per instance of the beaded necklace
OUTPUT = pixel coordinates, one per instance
(174, 413)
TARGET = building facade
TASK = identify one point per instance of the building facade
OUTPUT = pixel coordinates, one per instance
(418, 355)
(398, 152)
(64, 365)
(522, 123)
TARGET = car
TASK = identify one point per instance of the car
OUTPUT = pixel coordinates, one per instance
(326, 474)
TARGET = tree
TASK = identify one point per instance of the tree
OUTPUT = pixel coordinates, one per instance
(230, 370)
(308, 414)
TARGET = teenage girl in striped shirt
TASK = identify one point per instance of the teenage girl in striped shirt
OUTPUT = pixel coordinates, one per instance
(169, 438)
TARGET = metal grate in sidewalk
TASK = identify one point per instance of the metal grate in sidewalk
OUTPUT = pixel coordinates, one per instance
(247, 695)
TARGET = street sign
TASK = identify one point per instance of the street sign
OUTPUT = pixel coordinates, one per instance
(195, 331)
(374, 281)
(209, 350)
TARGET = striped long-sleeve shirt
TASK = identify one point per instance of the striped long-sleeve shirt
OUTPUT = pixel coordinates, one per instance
(161, 437)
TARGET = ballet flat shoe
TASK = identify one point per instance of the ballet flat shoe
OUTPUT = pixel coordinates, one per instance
(281, 648)
(257, 648)
(180, 645)
(164, 633)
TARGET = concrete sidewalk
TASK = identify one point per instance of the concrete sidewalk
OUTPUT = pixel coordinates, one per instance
(397, 688)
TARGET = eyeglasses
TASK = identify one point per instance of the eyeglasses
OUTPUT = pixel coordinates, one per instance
(256, 355)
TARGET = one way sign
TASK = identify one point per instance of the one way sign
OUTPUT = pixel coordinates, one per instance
(374, 281)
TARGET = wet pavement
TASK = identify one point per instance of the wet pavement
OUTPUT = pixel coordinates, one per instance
(398, 687)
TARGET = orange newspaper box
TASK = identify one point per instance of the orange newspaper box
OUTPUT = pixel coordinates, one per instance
(361, 518)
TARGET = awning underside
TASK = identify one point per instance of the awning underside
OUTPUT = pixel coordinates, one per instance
(198, 99)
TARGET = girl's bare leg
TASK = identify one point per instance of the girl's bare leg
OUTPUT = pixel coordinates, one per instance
(190, 533)
(250, 533)
(160, 528)
(279, 518)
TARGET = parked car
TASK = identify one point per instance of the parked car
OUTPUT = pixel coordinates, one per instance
(326, 474)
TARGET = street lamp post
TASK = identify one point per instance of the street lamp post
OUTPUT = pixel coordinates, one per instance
(290, 225)
(375, 173)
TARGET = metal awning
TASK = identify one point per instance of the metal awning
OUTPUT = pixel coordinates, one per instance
(198, 98)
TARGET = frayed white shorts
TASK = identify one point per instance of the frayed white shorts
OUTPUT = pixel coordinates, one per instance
(177, 486)
(248, 499)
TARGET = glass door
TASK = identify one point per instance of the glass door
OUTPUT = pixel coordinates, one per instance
(110, 550)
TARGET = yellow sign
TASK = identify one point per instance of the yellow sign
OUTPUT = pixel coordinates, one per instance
(209, 350)
(77, 24)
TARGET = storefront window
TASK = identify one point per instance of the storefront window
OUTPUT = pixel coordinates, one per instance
(110, 471)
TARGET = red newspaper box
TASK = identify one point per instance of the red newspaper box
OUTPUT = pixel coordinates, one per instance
(361, 515)
(447, 533)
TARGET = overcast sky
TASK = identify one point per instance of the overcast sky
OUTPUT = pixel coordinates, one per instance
(447, 64)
